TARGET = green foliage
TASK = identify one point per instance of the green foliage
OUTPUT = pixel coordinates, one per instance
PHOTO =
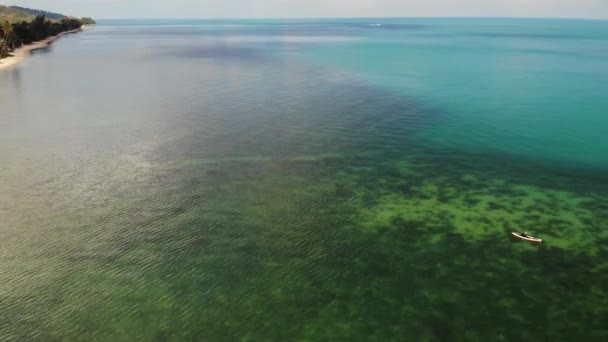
(8, 42)
(24, 32)
(87, 21)
(20, 26)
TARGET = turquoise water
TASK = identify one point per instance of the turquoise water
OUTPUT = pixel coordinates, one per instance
(307, 180)
(527, 87)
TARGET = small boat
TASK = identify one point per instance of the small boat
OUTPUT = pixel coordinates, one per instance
(526, 237)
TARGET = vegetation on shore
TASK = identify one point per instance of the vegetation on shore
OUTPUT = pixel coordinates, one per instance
(14, 35)
(20, 26)
(88, 21)
(16, 14)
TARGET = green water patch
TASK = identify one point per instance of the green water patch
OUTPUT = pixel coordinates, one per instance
(335, 248)
(332, 246)
(491, 209)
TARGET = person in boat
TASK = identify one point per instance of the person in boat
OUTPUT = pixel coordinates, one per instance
(525, 234)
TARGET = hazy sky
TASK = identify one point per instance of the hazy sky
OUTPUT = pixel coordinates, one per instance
(319, 8)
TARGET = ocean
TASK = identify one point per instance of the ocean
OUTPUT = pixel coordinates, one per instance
(335, 179)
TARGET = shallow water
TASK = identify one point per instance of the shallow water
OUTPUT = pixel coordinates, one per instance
(312, 180)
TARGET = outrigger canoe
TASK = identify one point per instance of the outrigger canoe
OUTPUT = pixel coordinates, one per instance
(527, 237)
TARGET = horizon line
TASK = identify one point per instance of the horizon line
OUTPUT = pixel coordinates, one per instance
(333, 18)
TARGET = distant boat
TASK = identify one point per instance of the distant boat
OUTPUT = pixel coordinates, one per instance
(374, 25)
(526, 237)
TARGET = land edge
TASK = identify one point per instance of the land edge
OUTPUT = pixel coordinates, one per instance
(24, 51)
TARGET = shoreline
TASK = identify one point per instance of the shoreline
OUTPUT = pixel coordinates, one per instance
(24, 51)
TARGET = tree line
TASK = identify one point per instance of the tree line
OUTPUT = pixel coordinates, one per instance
(15, 35)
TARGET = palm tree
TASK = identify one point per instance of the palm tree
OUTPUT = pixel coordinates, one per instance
(3, 44)
(9, 35)
(8, 41)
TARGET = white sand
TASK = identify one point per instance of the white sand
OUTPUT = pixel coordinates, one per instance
(21, 53)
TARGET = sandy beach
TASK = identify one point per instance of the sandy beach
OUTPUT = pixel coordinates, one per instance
(21, 53)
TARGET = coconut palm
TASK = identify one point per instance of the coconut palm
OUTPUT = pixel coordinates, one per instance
(8, 41)
(9, 35)
(3, 44)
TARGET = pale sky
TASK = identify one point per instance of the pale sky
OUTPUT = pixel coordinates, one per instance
(104, 9)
